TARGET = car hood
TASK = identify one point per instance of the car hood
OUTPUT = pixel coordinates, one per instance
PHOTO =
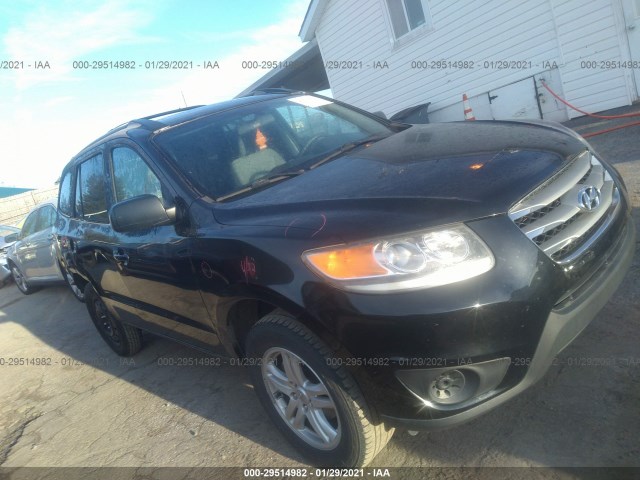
(423, 176)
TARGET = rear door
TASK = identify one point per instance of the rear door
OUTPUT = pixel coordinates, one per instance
(42, 241)
(25, 248)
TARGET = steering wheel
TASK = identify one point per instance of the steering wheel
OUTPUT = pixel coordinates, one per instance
(307, 146)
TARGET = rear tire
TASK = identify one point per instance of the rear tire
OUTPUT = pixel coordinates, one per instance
(21, 281)
(313, 401)
(123, 339)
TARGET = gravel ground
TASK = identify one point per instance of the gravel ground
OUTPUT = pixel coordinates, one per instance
(89, 408)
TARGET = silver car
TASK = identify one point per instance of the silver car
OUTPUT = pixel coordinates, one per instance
(32, 258)
(8, 236)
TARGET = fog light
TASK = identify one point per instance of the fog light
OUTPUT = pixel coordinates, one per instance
(453, 388)
(448, 386)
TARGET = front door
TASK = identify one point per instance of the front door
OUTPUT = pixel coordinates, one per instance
(632, 22)
(155, 264)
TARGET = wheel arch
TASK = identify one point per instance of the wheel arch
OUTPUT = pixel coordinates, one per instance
(241, 314)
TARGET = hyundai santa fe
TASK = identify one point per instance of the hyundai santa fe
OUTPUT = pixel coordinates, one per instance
(371, 275)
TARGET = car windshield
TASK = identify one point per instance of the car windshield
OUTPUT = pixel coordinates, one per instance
(235, 150)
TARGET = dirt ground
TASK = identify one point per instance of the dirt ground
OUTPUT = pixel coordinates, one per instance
(84, 406)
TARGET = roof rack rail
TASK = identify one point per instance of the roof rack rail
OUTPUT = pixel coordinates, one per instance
(271, 90)
(146, 122)
(168, 112)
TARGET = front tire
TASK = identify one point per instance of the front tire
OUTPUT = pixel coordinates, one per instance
(312, 400)
(123, 339)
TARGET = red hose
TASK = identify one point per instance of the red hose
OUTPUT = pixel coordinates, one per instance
(600, 132)
(626, 115)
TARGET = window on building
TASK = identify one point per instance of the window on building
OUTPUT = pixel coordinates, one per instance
(407, 15)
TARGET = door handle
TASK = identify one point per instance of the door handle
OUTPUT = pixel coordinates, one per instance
(631, 27)
(121, 257)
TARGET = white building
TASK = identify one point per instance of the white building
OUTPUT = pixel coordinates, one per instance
(391, 54)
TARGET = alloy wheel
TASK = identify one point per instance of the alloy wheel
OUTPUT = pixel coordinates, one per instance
(74, 287)
(19, 279)
(301, 398)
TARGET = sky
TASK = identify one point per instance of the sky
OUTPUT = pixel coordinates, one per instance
(51, 107)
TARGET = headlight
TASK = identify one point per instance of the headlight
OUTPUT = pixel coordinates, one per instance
(418, 260)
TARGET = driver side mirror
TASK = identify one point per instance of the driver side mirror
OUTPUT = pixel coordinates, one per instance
(140, 213)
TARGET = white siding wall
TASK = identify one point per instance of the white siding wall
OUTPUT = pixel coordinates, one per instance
(475, 30)
(588, 30)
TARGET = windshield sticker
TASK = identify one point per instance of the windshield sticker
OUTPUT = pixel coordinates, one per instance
(309, 101)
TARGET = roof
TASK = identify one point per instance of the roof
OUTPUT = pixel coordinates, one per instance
(304, 70)
(312, 19)
(10, 191)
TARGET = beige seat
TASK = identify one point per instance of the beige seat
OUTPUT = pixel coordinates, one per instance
(256, 157)
(247, 169)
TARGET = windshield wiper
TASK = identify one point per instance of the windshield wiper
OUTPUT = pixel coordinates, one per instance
(347, 147)
(275, 177)
(261, 182)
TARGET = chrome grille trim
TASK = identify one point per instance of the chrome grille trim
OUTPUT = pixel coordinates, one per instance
(554, 219)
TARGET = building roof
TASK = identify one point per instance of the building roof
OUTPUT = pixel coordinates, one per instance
(10, 191)
(312, 19)
(304, 70)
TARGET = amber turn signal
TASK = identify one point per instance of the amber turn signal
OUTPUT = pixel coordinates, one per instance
(347, 263)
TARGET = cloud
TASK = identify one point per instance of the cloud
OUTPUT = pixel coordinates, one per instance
(274, 42)
(69, 120)
(61, 35)
(53, 102)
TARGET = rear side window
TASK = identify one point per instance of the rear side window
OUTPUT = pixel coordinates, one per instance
(65, 200)
(132, 176)
(91, 199)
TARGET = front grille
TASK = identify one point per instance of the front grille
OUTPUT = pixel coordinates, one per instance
(556, 220)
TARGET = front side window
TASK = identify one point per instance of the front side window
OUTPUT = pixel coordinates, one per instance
(132, 176)
(30, 225)
(407, 15)
(233, 151)
(46, 217)
(65, 200)
(91, 199)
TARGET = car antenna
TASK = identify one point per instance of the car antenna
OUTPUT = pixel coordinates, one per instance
(183, 99)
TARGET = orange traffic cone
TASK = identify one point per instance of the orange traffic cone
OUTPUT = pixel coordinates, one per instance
(468, 112)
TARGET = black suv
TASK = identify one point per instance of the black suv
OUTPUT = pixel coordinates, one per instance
(370, 274)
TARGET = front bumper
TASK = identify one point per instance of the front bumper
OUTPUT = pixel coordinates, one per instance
(564, 323)
(5, 273)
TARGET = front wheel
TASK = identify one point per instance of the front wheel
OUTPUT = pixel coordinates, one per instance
(315, 403)
(21, 281)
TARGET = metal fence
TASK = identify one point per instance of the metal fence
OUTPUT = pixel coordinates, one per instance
(14, 208)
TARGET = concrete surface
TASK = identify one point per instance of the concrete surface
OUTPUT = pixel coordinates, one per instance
(90, 408)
